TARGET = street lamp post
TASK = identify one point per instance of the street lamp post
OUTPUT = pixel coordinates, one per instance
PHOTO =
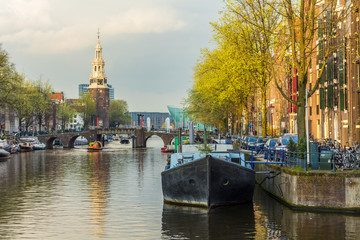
(307, 130)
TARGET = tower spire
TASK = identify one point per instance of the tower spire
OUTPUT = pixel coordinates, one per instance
(98, 77)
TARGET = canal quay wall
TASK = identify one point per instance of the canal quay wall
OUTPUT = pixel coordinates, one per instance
(311, 190)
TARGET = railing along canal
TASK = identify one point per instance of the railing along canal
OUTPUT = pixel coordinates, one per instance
(322, 160)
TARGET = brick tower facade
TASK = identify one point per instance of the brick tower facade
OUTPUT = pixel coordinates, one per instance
(98, 88)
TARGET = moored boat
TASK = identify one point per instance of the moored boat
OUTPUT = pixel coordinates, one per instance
(14, 148)
(168, 149)
(25, 147)
(124, 141)
(95, 146)
(26, 142)
(4, 145)
(39, 146)
(216, 179)
(4, 155)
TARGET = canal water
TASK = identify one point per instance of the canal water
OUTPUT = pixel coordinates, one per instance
(116, 194)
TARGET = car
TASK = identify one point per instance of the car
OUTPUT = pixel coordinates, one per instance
(259, 146)
(251, 142)
(244, 141)
(283, 141)
(269, 148)
(282, 146)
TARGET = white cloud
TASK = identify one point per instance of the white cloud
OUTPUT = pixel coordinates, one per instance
(155, 20)
(20, 14)
(34, 31)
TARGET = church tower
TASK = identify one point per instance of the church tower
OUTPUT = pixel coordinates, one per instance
(99, 89)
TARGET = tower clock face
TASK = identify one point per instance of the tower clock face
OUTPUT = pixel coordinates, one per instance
(100, 81)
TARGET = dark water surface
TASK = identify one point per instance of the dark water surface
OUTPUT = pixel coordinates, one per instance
(116, 194)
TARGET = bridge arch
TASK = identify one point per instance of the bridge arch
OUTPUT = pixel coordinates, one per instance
(71, 142)
(68, 139)
(167, 138)
(49, 142)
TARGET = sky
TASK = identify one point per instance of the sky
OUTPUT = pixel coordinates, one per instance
(149, 46)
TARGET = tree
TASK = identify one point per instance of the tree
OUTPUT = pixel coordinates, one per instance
(119, 113)
(252, 24)
(9, 79)
(303, 19)
(41, 100)
(225, 77)
(21, 103)
(221, 87)
(86, 108)
(65, 114)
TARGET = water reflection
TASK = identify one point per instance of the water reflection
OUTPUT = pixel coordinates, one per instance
(235, 222)
(280, 222)
(99, 191)
(116, 194)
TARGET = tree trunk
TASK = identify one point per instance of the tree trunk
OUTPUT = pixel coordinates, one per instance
(20, 125)
(246, 121)
(263, 112)
(301, 113)
(40, 123)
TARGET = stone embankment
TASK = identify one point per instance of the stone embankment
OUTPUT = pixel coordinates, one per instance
(311, 190)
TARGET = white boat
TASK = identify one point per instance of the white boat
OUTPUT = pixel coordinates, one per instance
(4, 144)
(25, 147)
(33, 142)
(4, 154)
(39, 146)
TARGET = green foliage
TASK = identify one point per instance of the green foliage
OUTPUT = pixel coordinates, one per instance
(27, 98)
(119, 113)
(65, 114)
(236, 145)
(9, 79)
(41, 100)
(225, 77)
(291, 146)
(301, 148)
(22, 102)
(86, 108)
(306, 32)
(205, 148)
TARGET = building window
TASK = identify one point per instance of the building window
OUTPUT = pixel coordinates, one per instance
(346, 98)
(317, 109)
(95, 68)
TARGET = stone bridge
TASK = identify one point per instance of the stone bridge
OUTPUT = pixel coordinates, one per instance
(139, 136)
(68, 138)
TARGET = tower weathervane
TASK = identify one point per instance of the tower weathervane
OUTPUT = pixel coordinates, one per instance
(98, 32)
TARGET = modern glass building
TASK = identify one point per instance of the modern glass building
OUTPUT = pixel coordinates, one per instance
(111, 92)
(182, 120)
(83, 89)
(157, 119)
